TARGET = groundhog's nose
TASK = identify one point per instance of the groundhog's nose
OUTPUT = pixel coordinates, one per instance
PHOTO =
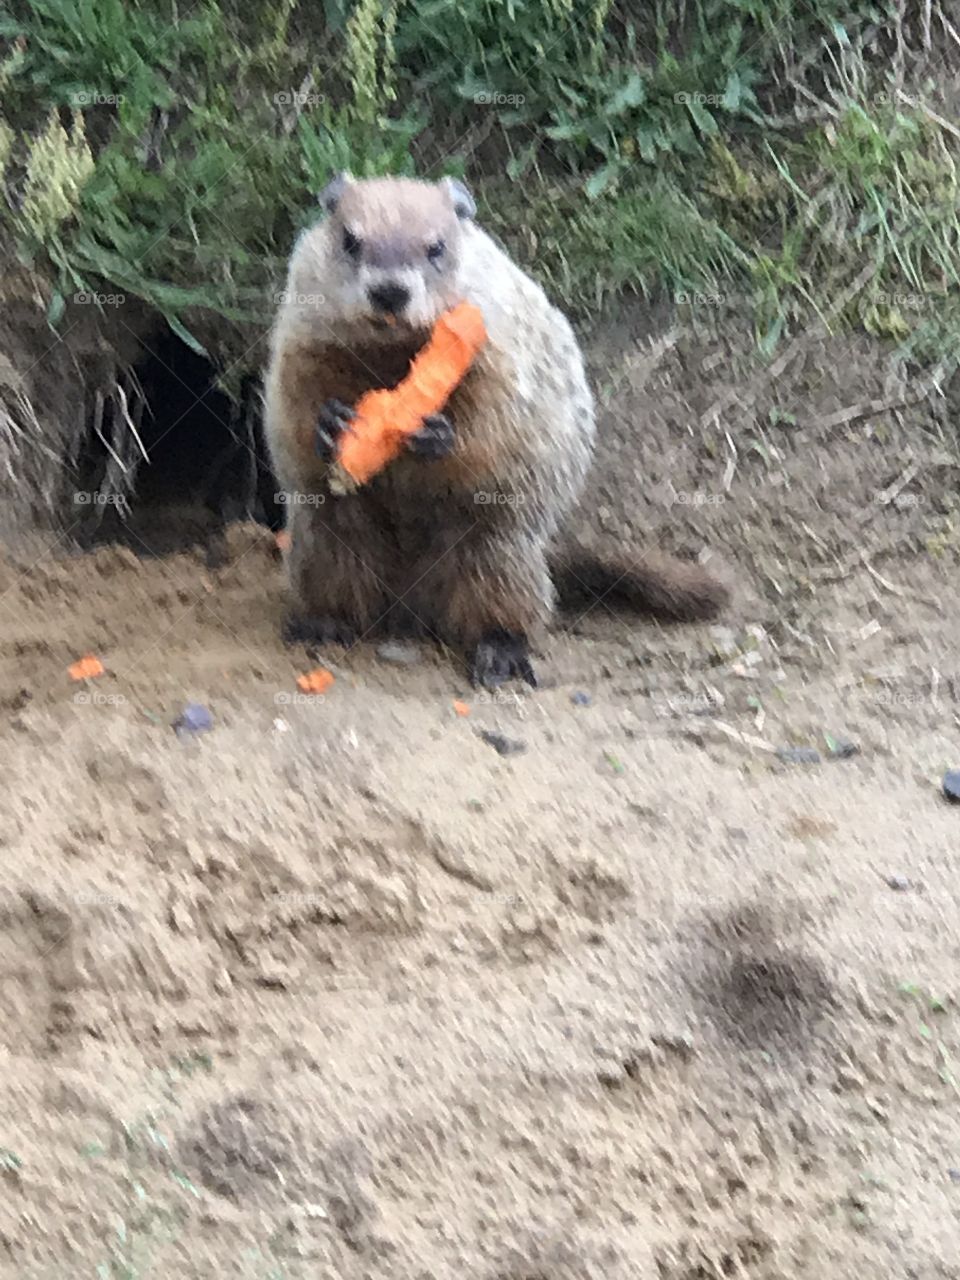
(390, 296)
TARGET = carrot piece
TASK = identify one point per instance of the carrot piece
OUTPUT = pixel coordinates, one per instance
(282, 540)
(317, 681)
(384, 418)
(461, 708)
(85, 668)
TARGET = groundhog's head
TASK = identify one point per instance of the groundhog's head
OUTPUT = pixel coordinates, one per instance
(392, 249)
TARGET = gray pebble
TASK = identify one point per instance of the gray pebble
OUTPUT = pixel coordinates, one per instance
(194, 718)
(580, 699)
(725, 642)
(900, 883)
(680, 1043)
(798, 755)
(404, 655)
(951, 785)
(503, 746)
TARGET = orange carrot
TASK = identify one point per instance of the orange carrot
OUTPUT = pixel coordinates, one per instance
(282, 540)
(85, 668)
(385, 418)
(461, 708)
(317, 681)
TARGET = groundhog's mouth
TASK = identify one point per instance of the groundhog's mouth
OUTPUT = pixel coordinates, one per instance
(395, 327)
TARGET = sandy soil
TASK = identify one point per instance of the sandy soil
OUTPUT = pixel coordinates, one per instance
(336, 990)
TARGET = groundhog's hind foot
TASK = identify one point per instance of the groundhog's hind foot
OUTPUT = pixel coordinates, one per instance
(501, 656)
(298, 629)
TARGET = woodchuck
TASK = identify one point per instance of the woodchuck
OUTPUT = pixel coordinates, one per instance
(460, 537)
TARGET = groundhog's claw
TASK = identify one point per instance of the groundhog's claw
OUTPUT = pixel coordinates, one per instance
(333, 420)
(501, 656)
(434, 439)
(315, 631)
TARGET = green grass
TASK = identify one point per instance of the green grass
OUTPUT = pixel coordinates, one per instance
(756, 146)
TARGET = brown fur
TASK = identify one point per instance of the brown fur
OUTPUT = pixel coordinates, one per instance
(417, 543)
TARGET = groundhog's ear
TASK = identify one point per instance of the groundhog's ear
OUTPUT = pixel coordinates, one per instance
(463, 202)
(329, 197)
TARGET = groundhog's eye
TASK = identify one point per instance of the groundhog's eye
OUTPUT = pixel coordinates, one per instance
(436, 250)
(352, 244)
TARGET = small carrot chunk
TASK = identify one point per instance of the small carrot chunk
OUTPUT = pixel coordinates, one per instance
(317, 681)
(85, 668)
(461, 708)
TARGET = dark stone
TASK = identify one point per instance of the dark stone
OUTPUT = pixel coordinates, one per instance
(503, 746)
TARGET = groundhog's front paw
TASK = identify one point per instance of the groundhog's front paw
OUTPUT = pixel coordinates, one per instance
(434, 439)
(333, 420)
(501, 656)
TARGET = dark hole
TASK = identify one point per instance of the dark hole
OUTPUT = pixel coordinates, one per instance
(208, 462)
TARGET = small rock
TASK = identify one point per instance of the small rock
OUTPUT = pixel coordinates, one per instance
(680, 1043)
(725, 642)
(525, 922)
(580, 699)
(953, 1175)
(194, 718)
(179, 918)
(847, 1079)
(403, 655)
(840, 748)
(951, 785)
(222, 982)
(901, 883)
(878, 1110)
(273, 980)
(798, 755)
(743, 667)
(503, 746)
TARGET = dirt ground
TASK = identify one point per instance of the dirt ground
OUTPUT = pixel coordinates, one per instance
(336, 990)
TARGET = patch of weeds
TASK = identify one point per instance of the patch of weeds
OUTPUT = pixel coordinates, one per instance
(932, 1010)
(636, 241)
(151, 1219)
(709, 146)
(160, 1195)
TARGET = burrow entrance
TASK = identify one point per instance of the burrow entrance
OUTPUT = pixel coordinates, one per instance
(203, 461)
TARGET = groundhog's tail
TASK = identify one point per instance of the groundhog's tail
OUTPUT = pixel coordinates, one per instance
(650, 581)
